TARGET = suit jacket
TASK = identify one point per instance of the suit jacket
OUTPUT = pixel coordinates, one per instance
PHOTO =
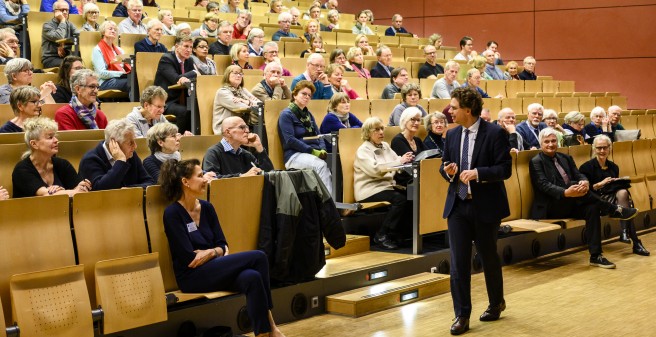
(548, 185)
(379, 71)
(527, 133)
(169, 72)
(491, 157)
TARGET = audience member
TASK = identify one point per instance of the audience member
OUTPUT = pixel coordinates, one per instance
(493, 47)
(397, 81)
(107, 60)
(339, 116)
(150, 113)
(374, 182)
(296, 123)
(338, 83)
(614, 117)
(550, 118)
(25, 102)
(239, 55)
(19, 72)
(273, 86)
(222, 44)
(213, 7)
(121, 9)
(41, 172)
(204, 64)
(435, 40)
(561, 191)
(338, 56)
(490, 66)
(362, 41)
(232, 6)
(529, 70)
(296, 15)
(445, 85)
(467, 51)
(410, 96)
(229, 158)
(436, 125)
(284, 20)
(9, 45)
(202, 3)
(209, 28)
(474, 81)
(49, 6)
(512, 71)
(314, 72)
(599, 123)
(166, 17)
(255, 42)
(575, 125)
(12, 10)
(91, 12)
(63, 93)
(202, 264)
(133, 24)
(330, 5)
(382, 69)
(407, 141)
(311, 28)
(485, 115)
(114, 163)
(397, 26)
(603, 175)
(531, 127)
(59, 28)
(176, 67)
(356, 60)
(361, 26)
(232, 99)
(182, 29)
(315, 45)
(164, 145)
(333, 19)
(81, 112)
(276, 7)
(4, 194)
(479, 63)
(270, 54)
(507, 120)
(430, 69)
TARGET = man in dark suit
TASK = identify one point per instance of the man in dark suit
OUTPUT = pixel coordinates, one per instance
(382, 69)
(177, 68)
(531, 127)
(561, 191)
(476, 161)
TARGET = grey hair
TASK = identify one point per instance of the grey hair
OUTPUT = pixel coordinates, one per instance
(436, 115)
(22, 95)
(270, 65)
(333, 13)
(601, 137)
(34, 127)
(88, 8)
(152, 92)
(502, 113)
(368, 126)
(117, 129)
(80, 77)
(151, 23)
(549, 113)
(283, 16)
(450, 64)
(597, 111)
(269, 45)
(407, 114)
(132, 3)
(574, 117)
(380, 49)
(104, 25)
(159, 131)
(546, 132)
(15, 66)
(314, 56)
(254, 33)
(535, 106)
(162, 12)
(245, 11)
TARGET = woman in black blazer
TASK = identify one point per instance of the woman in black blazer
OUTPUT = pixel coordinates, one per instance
(601, 173)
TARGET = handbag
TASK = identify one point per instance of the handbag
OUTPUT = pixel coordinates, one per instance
(621, 135)
(616, 185)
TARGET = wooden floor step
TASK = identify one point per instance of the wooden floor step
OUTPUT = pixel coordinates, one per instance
(525, 225)
(367, 300)
(354, 244)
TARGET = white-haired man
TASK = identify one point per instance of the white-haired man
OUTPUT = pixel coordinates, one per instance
(132, 24)
(314, 73)
(530, 128)
(285, 23)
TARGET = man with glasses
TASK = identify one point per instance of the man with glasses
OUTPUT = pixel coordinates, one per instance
(48, 6)
(397, 26)
(270, 54)
(273, 86)
(132, 24)
(229, 159)
(9, 47)
(614, 117)
(285, 22)
(314, 73)
(506, 120)
(430, 69)
(222, 44)
(529, 70)
(59, 28)
(531, 127)
(81, 113)
(467, 52)
(445, 85)
(151, 43)
(382, 69)
(397, 81)
(177, 67)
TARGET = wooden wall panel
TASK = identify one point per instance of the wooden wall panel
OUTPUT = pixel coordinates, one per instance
(464, 7)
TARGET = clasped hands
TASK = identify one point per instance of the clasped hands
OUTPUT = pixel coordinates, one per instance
(465, 176)
(577, 190)
(202, 256)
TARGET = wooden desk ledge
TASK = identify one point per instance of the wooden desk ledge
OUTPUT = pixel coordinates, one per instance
(184, 297)
(525, 225)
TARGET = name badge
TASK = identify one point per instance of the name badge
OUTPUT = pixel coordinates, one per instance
(191, 227)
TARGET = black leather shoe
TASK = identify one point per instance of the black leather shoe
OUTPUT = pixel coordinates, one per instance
(460, 326)
(624, 236)
(492, 313)
(385, 241)
(639, 249)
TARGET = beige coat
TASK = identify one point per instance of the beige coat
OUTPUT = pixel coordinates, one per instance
(278, 93)
(369, 177)
(226, 105)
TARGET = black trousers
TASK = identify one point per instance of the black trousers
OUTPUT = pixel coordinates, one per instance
(396, 217)
(464, 228)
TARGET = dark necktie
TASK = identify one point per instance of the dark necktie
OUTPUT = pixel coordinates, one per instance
(537, 133)
(562, 172)
(182, 68)
(464, 165)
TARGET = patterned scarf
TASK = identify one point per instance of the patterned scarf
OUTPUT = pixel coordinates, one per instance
(13, 8)
(304, 117)
(342, 118)
(86, 114)
(163, 157)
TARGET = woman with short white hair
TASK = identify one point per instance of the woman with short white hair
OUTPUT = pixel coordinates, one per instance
(599, 123)
(407, 140)
(166, 17)
(107, 62)
(90, 13)
(255, 42)
(574, 125)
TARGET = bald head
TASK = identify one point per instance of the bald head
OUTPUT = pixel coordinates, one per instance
(231, 122)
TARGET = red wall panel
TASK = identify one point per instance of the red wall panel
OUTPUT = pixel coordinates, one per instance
(541, 5)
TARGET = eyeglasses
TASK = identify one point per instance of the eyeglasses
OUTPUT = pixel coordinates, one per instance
(61, 10)
(28, 70)
(36, 101)
(379, 129)
(243, 127)
(601, 148)
(272, 52)
(320, 66)
(204, 46)
(92, 87)
(93, 12)
(237, 74)
(439, 122)
(415, 120)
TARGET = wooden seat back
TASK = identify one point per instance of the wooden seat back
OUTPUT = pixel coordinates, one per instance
(35, 23)
(11, 155)
(53, 302)
(195, 147)
(74, 150)
(88, 40)
(40, 223)
(624, 159)
(207, 86)
(642, 157)
(130, 291)
(239, 213)
(126, 41)
(155, 206)
(108, 225)
(645, 124)
(580, 153)
(117, 110)
(432, 197)
(349, 142)
(513, 192)
(272, 111)
(146, 68)
(524, 180)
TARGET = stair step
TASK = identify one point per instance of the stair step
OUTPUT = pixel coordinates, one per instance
(367, 300)
(354, 244)
(361, 261)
